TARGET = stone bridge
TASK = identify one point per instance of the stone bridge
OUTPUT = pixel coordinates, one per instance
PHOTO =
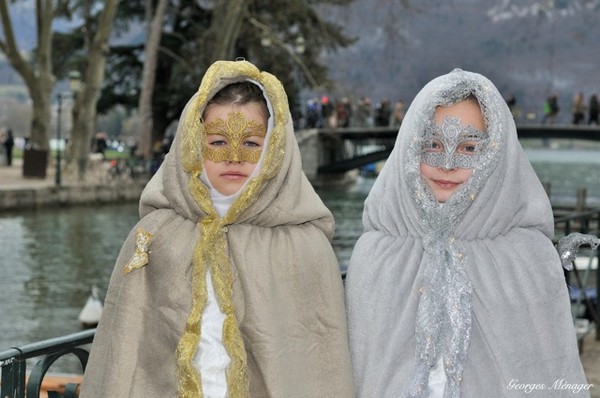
(328, 154)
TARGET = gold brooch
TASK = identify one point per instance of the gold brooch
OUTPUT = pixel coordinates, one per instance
(140, 257)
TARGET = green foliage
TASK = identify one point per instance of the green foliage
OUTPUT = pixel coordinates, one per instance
(121, 84)
(110, 154)
(66, 53)
(189, 35)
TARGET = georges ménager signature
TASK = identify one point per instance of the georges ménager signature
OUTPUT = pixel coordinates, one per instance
(559, 384)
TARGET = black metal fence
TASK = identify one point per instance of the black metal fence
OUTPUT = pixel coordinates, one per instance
(585, 222)
(16, 384)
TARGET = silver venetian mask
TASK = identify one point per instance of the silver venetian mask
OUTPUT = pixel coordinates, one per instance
(452, 145)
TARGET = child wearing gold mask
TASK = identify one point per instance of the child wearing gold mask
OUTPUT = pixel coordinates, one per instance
(235, 126)
(228, 285)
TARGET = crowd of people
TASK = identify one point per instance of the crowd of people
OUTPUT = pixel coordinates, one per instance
(582, 112)
(327, 112)
(580, 108)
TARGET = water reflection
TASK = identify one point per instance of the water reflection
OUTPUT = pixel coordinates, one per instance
(50, 259)
(567, 171)
(346, 206)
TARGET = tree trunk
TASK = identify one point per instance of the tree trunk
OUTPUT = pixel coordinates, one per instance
(154, 32)
(38, 77)
(228, 19)
(85, 120)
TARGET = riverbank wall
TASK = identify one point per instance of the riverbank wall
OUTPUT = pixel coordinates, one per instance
(42, 197)
(25, 193)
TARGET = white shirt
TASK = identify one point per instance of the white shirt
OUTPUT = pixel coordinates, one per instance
(212, 359)
(437, 380)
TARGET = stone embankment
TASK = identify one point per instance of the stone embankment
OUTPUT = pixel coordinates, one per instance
(18, 192)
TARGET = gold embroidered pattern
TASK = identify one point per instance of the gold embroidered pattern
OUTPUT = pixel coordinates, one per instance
(234, 130)
(140, 257)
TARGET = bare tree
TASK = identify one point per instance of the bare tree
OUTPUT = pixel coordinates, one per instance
(228, 18)
(197, 33)
(19, 114)
(85, 105)
(38, 75)
(154, 30)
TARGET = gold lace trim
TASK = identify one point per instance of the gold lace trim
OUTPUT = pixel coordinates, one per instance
(211, 250)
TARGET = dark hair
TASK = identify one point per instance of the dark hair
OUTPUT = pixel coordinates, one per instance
(240, 93)
(469, 98)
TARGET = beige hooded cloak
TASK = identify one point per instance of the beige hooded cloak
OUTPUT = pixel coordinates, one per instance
(274, 273)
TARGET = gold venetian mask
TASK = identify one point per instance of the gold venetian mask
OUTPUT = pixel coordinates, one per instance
(235, 129)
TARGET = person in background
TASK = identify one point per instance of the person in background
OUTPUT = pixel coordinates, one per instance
(9, 143)
(344, 112)
(383, 113)
(511, 101)
(363, 117)
(455, 288)
(593, 110)
(100, 143)
(578, 108)
(327, 112)
(551, 109)
(398, 114)
(313, 116)
(228, 286)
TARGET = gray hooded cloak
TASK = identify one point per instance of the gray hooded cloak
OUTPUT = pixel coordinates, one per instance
(474, 284)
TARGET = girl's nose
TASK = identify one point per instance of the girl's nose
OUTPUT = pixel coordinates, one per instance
(448, 164)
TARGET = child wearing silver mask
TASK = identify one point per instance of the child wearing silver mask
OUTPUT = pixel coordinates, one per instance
(455, 288)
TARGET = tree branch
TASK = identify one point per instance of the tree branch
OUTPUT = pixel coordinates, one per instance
(305, 70)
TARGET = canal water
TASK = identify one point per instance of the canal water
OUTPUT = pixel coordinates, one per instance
(49, 259)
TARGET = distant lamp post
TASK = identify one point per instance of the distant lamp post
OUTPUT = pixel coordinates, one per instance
(74, 84)
(299, 48)
(299, 45)
(74, 81)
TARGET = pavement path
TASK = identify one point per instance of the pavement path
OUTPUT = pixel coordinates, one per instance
(11, 177)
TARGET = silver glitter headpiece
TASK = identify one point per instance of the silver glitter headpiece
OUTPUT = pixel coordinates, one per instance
(452, 145)
(444, 314)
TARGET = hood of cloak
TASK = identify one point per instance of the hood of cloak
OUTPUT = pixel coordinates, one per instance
(274, 273)
(475, 283)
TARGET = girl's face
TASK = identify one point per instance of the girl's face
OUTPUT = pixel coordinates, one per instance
(445, 177)
(235, 136)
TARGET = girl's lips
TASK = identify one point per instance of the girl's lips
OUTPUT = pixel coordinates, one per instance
(446, 184)
(233, 175)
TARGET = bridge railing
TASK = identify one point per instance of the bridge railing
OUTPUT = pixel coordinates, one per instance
(338, 150)
(13, 361)
(585, 222)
